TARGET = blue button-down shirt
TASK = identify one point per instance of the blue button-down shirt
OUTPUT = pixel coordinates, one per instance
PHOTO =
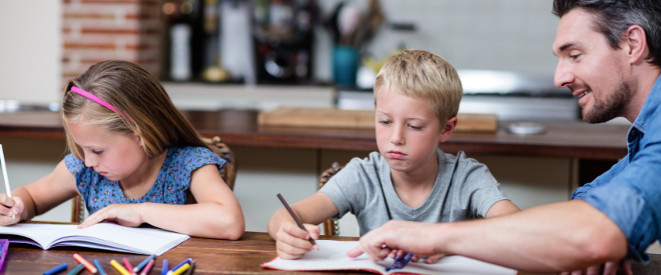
(630, 192)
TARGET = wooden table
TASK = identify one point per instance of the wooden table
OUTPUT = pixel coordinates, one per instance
(568, 139)
(211, 256)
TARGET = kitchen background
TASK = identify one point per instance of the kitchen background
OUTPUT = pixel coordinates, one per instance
(510, 35)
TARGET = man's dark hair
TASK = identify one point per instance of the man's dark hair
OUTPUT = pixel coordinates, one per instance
(613, 17)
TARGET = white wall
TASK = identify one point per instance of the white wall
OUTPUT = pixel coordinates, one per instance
(30, 51)
(514, 35)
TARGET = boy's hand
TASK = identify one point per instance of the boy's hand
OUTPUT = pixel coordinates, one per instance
(8, 207)
(292, 241)
(122, 214)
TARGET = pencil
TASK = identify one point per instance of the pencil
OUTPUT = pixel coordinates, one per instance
(119, 267)
(4, 174)
(293, 215)
(82, 260)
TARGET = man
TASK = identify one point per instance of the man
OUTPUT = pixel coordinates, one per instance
(609, 57)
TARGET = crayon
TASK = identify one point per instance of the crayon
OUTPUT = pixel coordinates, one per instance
(119, 267)
(87, 264)
(56, 269)
(143, 263)
(179, 270)
(164, 269)
(147, 267)
(77, 269)
(99, 267)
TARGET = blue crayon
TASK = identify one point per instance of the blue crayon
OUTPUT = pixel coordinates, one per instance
(99, 267)
(164, 269)
(56, 269)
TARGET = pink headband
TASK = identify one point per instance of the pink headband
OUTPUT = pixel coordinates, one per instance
(97, 100)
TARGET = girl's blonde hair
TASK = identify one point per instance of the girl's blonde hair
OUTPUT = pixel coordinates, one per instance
(144, 107)
(422, 75)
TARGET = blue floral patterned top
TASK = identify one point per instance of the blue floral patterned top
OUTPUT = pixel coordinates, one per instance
(170, 187)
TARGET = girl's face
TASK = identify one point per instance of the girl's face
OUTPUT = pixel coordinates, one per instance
(115, 156)
(407, 131)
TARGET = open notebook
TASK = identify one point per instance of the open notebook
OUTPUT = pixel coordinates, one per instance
(332, 255)
(105, 236)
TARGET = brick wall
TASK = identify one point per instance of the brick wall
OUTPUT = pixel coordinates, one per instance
(97, 30)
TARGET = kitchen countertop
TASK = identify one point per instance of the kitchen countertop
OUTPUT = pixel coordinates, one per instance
(568, 139)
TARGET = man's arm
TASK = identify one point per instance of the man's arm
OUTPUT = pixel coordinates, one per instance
(550, 238)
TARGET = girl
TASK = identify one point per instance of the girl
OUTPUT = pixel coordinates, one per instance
(134, 159)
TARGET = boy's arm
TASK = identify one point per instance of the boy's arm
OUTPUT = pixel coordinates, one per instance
(502, 207)
(292, 241)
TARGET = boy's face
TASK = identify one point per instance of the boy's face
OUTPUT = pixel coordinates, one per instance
(407, 131)
(115, 156)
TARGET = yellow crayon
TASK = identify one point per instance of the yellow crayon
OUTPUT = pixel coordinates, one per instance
(180, 270)
(119, 267)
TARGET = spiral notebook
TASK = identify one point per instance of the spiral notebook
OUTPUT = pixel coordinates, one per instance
(103, 236)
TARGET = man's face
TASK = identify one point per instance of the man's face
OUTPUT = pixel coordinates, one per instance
(590, 68)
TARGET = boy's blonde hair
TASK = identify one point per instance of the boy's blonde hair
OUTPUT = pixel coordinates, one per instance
(144, 107)
(422, 75)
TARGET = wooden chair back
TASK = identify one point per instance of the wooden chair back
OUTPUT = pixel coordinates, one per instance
(331, 227)
(216, 144)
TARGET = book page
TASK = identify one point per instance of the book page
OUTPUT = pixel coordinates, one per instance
(106, 236)
(332, 255)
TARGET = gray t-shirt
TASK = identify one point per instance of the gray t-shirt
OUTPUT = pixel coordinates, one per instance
(464, 189)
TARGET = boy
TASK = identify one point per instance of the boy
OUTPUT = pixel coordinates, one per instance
(417, 98)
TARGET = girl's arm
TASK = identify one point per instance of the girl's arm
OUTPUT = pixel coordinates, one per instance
(44, 194)
(217, 213)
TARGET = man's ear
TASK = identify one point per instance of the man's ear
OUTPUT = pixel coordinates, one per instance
(447, 130)
(635, 43)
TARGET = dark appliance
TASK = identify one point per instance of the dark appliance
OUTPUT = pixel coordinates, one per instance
(283, 40)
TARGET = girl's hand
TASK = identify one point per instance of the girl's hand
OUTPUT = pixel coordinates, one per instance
(122, 214)
(11, 209)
